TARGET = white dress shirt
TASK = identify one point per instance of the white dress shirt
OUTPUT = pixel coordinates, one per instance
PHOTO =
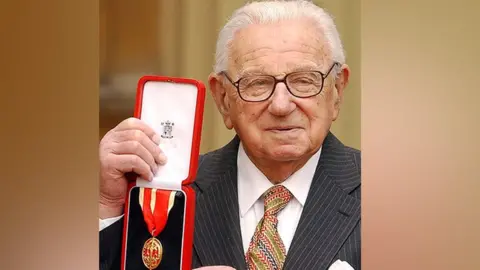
(252, 184)
(104, 223)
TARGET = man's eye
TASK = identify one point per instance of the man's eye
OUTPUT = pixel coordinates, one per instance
(257, 82)
(303, 80)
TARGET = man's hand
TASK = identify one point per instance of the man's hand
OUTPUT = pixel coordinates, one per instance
(130, 147)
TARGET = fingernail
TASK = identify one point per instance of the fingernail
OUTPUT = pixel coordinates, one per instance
(151, 177)
(155, 169)
(156, 139)
(163, 159)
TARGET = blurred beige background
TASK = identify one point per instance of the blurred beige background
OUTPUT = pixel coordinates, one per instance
(177, 38)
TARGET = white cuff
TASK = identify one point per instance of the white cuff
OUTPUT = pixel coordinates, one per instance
(104, 223)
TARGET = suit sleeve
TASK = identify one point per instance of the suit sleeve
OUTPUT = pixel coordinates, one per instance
(110, 240)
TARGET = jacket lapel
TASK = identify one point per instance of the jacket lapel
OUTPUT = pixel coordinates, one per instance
(218, 239)
(330, 213)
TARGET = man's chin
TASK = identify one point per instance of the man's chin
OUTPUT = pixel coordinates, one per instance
(286, 152)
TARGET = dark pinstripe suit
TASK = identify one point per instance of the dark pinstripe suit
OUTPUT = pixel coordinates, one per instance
(329, 228)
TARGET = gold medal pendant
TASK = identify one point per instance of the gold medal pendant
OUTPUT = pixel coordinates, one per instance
(156, 205)
(152, 253)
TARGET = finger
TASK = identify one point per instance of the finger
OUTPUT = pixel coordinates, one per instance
(132, 163)
(133, 123)
(136, 148)
(140, 136)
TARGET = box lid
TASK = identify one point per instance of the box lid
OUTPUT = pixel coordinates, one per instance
(173, 107)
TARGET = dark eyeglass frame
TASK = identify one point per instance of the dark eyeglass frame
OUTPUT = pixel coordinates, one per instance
(282, 80)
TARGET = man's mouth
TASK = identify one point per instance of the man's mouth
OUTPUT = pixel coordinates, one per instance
(280, 129)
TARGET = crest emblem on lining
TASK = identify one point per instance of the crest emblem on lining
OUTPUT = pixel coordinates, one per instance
(167, 129)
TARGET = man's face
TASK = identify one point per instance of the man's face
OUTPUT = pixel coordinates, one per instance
(284, 127)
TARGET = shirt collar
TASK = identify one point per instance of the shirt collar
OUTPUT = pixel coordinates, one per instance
(252, 183)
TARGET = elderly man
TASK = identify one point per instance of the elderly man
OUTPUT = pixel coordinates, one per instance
(285, 192)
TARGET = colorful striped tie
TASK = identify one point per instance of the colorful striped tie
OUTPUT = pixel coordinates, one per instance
(266, 250)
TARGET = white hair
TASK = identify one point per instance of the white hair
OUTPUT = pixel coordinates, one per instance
(259, 12)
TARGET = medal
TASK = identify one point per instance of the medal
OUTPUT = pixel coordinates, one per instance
(152, 253)
(156, 205)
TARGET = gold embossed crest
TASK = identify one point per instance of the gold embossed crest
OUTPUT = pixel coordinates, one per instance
(152, 253)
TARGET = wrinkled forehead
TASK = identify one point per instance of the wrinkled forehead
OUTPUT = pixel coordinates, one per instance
(278, 48)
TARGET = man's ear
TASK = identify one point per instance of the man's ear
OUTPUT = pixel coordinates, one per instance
(219, 93)
(341, 83)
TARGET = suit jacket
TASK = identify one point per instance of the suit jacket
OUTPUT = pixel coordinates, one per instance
(329, 228)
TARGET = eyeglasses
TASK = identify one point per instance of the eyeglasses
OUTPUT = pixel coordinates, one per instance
(301, 84)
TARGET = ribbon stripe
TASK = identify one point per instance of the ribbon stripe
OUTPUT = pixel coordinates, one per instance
(156, 205)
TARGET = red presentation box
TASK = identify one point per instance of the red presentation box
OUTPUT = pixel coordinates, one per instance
(159, 215)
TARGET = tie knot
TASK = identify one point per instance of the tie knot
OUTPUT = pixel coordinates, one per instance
(276, 198)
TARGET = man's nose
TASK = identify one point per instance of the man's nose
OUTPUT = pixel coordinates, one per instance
(282, 101)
